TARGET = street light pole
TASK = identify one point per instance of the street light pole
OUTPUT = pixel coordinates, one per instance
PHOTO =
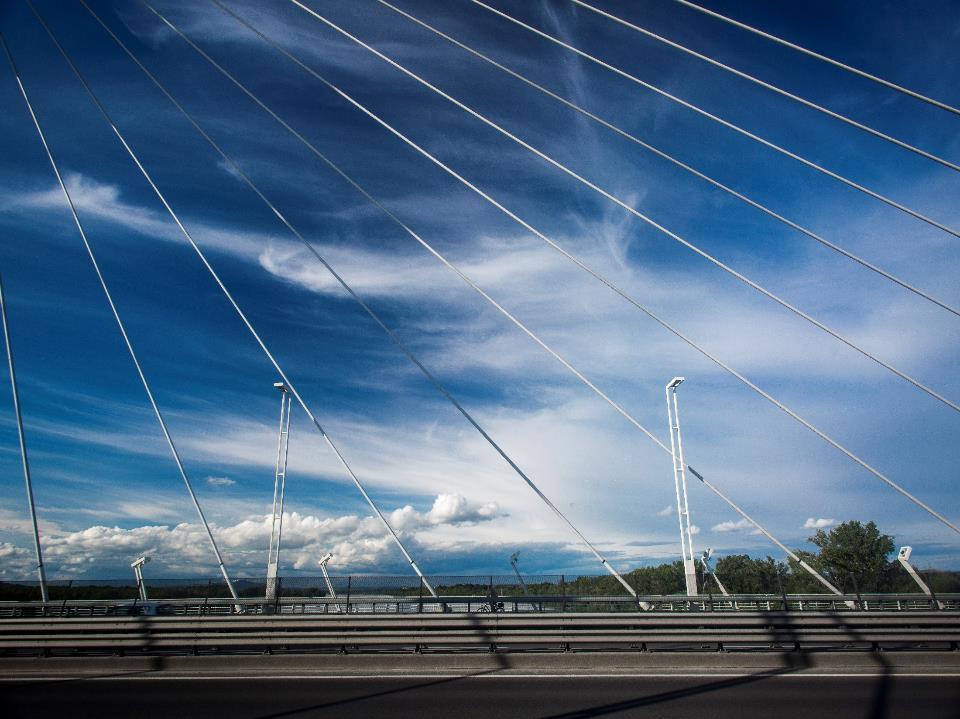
(708, 571)
(41, 572)
(326, 578)
(680, 483)
(513, 563)
(138, 573)
(279, 482)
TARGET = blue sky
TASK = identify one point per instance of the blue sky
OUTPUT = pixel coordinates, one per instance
(105, 485)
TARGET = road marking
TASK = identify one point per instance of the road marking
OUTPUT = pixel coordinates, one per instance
(404, 677)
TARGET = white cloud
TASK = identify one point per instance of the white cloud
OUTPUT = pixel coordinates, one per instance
(666, 511)
(220, 481)
(814, 523)
(730, 526)
(694, 529)
(356, 541)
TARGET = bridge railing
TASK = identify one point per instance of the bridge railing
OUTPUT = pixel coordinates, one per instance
(368, 603)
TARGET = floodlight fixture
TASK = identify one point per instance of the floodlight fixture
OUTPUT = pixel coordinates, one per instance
(675, 382)
(280, 386)
(903, 556)
(326, 558)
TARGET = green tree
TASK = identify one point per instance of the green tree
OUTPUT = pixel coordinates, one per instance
(741, 574)
(856, 549)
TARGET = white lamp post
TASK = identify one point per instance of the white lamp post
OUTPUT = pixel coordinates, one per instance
(680, 483)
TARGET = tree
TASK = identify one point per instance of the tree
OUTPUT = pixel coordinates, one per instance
(856, 549)
(741, 574)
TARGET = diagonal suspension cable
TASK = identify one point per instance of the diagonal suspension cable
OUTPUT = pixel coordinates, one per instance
(361, 302)
(810, 53)
(773, 88)
(609, 196)
(22, 440)
(120, 325)
(290, 386)
(678, 163)
(634, 302)
(375, 202)
(726, 123)
(574, 259)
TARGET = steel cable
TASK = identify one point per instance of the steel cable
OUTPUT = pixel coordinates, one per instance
(233, 303)
(608, 195)
(773, 88)
(810, 53)
(362, 303)
(726, 123)
(678, 163)
(116, 315)
(539, 234)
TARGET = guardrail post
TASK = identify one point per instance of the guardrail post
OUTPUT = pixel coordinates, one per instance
(856, 590)
(934, 602)
(206, 596)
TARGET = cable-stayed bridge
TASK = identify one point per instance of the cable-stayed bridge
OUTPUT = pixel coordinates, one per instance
(183, 35)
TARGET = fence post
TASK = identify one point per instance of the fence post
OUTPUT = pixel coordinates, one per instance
(856, 590)
(783, 594)
(420, 607)
(349, 583)
(563, 593)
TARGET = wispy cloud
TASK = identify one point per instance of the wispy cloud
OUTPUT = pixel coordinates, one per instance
(220, 481)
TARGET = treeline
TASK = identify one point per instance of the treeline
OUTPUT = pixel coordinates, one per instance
(855, 557)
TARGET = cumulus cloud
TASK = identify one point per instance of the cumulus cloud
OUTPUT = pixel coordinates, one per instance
(220, 481)
(814, 523)
(666, 511)
(730, 526)
(356, 541)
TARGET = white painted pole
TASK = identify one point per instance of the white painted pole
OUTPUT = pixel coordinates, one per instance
(680, 485)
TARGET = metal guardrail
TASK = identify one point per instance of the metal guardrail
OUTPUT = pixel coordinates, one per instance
(850, 629)
(367, 603)
(385, 604)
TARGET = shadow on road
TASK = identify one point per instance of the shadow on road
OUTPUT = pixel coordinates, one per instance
(483, 634)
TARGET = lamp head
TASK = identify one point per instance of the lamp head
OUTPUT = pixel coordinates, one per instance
(280, 386)
(675, 382)
(905, 553)
(326, 558)
(140, 561)
(514, 557)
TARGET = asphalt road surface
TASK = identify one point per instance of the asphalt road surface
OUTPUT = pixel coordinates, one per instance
(490, 695)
